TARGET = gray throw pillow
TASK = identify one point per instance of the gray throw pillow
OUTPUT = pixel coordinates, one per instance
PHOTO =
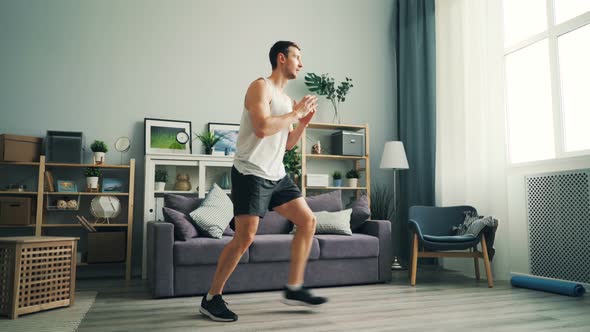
(331, 222)
(184, 204)
(360, 212)
(183, 225)
(331, 201)
(214, 214)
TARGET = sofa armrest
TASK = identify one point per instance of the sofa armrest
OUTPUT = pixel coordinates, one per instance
(382, 230)
(160, 260)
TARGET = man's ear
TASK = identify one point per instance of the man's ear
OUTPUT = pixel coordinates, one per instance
(282, 58)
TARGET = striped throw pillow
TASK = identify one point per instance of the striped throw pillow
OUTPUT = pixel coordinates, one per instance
(331, 222)
(215, 213)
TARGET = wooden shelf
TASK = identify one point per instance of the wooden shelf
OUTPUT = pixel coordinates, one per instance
(336, 188)
(65, 193)
(92, 264)
(87, 165)
(333, 156)
(18, 192)
(31, 225)
(20, 163)
(333, 126)
(78, 225)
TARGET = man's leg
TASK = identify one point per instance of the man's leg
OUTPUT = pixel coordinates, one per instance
(212, 304)
(300, 214)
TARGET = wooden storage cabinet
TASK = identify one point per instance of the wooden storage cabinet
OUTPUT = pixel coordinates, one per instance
(36, 273)
(40, 225)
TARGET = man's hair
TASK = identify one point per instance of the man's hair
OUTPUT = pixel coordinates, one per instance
(281, 46)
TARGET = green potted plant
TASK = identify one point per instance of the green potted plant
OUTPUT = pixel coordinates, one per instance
(99, 148)
(292, 163)
(161, 179)
(337, 176)
(209, 139)
(92, 174)
(324, 85)
(353, 177)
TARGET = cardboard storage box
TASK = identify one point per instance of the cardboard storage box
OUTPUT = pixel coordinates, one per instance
(348, 143)
(15, 211)
(20, 148)
(106, 247)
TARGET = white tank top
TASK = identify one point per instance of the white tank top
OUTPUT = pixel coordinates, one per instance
(263, 157)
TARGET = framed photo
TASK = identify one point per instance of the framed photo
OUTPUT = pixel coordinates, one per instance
(66, 186)
(112, 185)
(226, 145)
(160, 136)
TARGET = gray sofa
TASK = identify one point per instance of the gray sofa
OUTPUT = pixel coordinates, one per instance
(179, 268)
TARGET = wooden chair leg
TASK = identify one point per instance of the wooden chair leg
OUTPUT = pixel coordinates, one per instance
(486, 261)
(414, 259)
(476, 262)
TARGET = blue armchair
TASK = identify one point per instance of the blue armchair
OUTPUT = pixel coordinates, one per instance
(432, 230)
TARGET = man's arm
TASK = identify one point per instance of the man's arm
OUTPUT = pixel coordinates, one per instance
(295, 134)
(257, 103)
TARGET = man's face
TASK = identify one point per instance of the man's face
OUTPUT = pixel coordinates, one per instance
(292, 64)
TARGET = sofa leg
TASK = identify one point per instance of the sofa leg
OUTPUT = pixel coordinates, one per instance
(476, 263)
(414, 259)
(486, 261)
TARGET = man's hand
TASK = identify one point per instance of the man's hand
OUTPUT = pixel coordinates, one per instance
(305, 106)
(307, 119)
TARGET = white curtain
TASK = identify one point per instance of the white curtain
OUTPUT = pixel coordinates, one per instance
(471, 152)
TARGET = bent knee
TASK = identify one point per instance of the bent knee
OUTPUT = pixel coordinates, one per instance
(244, 240)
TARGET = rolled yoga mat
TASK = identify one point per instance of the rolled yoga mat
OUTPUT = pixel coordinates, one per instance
(548, 285)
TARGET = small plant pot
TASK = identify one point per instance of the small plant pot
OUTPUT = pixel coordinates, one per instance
(337, 182)
(208, 150)
(92, 182)
(160, 186)
(353, 183)
(99, 158)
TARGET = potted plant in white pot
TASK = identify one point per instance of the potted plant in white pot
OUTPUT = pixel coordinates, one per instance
(337, 176)
(161, 179)
(209, 139)
(99, 148)
(92, 175)
(353, 178)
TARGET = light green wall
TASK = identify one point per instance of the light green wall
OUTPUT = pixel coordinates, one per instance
(102, 66)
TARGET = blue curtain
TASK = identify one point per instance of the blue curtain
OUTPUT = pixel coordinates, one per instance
(415, 57)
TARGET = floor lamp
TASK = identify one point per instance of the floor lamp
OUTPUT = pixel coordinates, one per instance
(394, 156)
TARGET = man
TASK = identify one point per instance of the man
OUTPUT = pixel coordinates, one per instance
(259, 181)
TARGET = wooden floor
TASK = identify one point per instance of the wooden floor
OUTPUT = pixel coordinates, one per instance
(441, 301)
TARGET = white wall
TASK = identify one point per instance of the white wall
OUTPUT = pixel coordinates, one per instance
(102, 66)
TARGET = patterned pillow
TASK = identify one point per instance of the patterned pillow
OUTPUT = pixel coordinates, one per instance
(214, 214)
(331, 222)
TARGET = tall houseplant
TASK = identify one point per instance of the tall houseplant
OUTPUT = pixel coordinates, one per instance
(324, 85)
(292, 163)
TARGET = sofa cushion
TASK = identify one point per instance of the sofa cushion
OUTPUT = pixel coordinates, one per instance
(187, 204)
(273, 223)
(277, 248)
(330, 202)
(450, 239)
(355, 246)
(214, 214)
(201, 250)
(360, 212)
(183, 225)
(331, 222)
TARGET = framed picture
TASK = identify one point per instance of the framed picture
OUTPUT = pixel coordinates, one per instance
(160, 136)
(226, 145)
(112, 185)
(66, 186)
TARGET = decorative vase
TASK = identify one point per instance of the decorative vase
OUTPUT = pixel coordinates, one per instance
(225, 181)
(316, 148)
(337, 118)
(353, 182)
(160, 186)
(337, 182)
(92, 182)
(99, 158)
(182, 182)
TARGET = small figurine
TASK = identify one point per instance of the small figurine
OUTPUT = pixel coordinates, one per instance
(316, 148)
(182, 182)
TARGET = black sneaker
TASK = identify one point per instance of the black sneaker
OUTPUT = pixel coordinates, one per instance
(217, 310)
(302, 297)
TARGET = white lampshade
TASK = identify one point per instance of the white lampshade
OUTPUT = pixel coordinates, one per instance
(394, 156)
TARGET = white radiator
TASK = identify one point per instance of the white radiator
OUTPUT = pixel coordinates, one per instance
(558, 220)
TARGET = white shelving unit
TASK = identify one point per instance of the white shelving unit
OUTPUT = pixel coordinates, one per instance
(203, 170)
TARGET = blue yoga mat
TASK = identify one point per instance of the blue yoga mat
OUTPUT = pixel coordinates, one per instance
(548, 285)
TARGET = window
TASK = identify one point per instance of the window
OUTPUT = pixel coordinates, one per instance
(547, 47)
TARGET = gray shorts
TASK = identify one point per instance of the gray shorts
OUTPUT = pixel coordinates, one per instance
(253, 195)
